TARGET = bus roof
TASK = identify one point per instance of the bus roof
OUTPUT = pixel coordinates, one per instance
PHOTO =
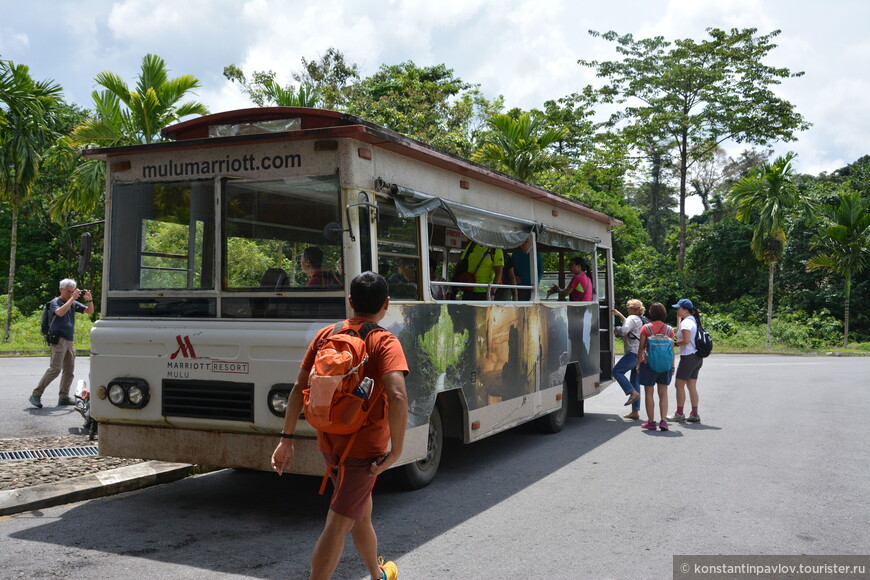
(325, 124)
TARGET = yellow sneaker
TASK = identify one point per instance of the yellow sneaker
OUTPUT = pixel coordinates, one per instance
(390, 570)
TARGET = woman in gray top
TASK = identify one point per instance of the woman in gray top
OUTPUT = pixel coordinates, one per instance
(630, 333)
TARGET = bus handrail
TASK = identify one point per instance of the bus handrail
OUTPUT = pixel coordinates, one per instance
(480, 284)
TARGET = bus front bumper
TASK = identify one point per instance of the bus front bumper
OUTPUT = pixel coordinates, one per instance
(236, 450)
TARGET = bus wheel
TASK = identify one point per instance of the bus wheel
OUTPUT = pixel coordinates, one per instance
(553, 422)
(422, 472)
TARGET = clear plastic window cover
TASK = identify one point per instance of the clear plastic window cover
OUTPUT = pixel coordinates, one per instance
(258, 128)
(488, 228)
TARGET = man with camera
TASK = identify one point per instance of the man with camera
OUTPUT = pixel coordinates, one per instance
(61, 336)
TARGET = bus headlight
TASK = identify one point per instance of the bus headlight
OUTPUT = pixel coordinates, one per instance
(129, 393)
(117, 395)
(136, 396)
(279, 395)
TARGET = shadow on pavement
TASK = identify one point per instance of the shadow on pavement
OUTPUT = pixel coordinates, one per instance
(264, 526)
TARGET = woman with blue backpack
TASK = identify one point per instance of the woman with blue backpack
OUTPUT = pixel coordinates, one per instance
(688, 323)
(656, 363)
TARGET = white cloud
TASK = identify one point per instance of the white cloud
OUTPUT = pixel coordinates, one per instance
(13, 41)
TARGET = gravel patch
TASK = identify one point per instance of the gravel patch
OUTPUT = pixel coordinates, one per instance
(16, 474)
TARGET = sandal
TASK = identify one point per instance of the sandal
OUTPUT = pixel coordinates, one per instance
(634, 396)
(631, 416)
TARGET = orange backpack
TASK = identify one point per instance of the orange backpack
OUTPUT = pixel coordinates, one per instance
(337, 389)
(330, 403)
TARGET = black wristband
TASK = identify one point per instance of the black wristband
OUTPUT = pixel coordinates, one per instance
(283, 435)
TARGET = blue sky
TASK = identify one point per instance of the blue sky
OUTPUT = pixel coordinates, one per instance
(526, 50)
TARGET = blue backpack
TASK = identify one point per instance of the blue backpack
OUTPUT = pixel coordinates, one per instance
(660, 350)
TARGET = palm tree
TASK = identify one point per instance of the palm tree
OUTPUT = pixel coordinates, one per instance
(519, 146)
(765, 197)
(26, 132)
(844, 242)
(126, 117)
(305, 96)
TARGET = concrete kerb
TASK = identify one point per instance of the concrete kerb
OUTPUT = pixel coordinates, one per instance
(95, 485)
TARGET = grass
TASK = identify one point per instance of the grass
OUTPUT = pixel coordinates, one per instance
(753, 341)
(25, 337)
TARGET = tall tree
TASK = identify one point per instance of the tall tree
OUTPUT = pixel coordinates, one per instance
(27, 129)
(843, 243)
(331, 75)
(430, 104)
(764, 199)
(521, 146)
(699, 94)
(127, 116)
(655, 197)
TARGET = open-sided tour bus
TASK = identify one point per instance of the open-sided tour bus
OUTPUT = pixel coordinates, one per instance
(208, 305)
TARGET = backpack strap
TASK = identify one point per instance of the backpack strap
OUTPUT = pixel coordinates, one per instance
(52, 316)
(482, 258)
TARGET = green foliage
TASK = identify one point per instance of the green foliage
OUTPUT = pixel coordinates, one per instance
(429, 104)
(745, 309)
(650, 277)
(843, 243)
(718, 265)
(798, 330)
(791, 331)
(330, 75)
(433, 105)
(519, 146)
(764, 199)
(28, 124)
(152, 104)
(15, 312)
(127, 116)
(264, 91)
(26, 335)
(719, 325)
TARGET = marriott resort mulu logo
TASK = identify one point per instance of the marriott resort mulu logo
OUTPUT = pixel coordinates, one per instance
(185, 348)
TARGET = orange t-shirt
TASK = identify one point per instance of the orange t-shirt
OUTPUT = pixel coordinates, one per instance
(385, 355)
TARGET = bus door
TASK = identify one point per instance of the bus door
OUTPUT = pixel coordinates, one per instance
(604, 297)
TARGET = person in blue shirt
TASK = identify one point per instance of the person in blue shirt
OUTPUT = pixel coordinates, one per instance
(62, 331)
(522, 260)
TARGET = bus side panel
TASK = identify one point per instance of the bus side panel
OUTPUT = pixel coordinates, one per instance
(507, 361)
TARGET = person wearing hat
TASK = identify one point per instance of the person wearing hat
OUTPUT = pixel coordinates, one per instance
(690, 363)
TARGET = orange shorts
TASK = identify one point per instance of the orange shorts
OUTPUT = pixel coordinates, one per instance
(351, 493)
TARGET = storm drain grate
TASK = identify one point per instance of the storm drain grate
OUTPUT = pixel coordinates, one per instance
(59, 453)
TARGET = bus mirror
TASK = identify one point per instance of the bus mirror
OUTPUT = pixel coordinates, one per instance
(332, 232)
(85, 253)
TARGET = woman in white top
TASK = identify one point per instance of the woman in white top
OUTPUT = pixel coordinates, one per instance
(690, 362)
(630, 333)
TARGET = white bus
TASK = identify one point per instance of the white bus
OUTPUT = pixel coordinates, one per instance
(212, 290)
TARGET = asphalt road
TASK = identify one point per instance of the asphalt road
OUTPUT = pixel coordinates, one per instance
(779, 466)
(18, 418)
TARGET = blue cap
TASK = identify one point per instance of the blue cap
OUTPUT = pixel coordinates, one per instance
(684, 303)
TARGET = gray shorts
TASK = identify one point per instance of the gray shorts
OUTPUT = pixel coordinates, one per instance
(690, 364)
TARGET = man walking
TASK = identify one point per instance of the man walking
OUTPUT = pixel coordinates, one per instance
(62, 336)
(351, 506)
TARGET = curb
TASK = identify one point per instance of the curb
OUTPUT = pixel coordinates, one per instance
(94, 485)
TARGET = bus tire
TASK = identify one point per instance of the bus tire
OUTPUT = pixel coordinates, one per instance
(555, 421)
(421, 472)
